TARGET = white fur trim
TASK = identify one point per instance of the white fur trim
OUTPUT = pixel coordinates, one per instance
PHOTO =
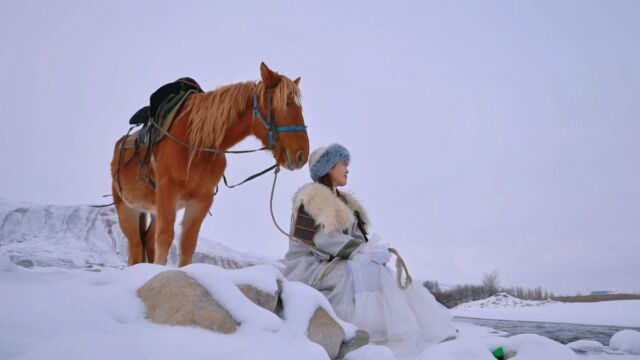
(327, 209)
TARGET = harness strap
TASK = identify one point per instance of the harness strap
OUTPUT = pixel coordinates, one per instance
(211, 150)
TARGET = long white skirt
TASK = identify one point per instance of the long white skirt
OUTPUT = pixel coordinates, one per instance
(375, 303)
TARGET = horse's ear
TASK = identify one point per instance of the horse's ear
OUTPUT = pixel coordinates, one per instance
(269, 77)
(297, 81)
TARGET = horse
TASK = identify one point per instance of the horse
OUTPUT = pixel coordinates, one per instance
(187, 164)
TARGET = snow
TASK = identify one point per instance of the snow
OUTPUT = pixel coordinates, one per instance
(61, 313)
(535, 347)
(586, 345)
(300, 301)
(623, 313)
(73, 297)
(228, 295)
(75, 237)
(626, 340)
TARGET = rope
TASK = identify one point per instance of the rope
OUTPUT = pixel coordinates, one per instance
(401, 266)
(273, 188)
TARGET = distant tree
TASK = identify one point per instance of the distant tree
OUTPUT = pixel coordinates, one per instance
(538, 293)
(433, 286)
(490, 283)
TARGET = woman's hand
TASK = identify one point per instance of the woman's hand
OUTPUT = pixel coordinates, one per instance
(380, 255)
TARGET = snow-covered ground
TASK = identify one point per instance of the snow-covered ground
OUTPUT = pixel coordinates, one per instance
(624, 313)
(67, 294)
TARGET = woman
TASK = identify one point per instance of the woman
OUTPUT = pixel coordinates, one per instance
(331, 250)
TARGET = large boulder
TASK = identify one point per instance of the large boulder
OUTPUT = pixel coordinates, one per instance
(173, 298)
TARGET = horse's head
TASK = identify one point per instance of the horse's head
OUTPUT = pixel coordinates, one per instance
(278, 120)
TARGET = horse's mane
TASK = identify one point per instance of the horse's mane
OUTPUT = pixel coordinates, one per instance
(213, 113)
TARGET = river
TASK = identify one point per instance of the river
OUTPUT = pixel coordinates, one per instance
(562, 333)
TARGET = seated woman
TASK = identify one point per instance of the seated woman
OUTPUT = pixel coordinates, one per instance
(331, 250)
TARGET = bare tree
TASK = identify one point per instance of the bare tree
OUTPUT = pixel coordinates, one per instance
(490, 282)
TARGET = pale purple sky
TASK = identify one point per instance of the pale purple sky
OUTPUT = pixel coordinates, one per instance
(484, 136)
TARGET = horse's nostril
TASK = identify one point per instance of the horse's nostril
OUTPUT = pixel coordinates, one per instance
(299, 158)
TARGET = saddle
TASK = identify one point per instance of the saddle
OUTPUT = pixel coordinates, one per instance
(156, 120)
(164, 105)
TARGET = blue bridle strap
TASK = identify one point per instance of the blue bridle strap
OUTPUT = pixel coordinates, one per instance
(272, 129)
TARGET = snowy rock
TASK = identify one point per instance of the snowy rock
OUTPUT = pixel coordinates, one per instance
(261, 298)
(586, 345)
(371, 352)
(465, 348)
(326, 332)
(536, 347)
(626, 340)
(361, 339)
(173, 298)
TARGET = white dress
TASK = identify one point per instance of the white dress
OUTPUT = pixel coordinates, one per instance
(388, 313)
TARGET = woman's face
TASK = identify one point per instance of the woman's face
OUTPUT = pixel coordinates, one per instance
(339, 174)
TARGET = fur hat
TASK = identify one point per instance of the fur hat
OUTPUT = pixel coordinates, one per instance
(324, 158)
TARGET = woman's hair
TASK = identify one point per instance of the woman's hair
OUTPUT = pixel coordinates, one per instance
(326, 180)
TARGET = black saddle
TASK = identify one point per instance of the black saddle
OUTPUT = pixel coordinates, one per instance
(166, 91)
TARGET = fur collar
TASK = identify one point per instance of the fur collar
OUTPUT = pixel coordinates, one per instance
(327, 209)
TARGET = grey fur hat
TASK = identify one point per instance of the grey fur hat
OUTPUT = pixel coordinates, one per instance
(324, 158)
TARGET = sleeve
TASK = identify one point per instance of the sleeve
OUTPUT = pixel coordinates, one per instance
(337, 243)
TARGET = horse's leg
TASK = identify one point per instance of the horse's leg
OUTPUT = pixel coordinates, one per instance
(129, 221)
(165, 219)
(142, 229)
(195, 212)
(149, 240)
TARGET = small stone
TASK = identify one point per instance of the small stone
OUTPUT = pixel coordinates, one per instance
(25, 263)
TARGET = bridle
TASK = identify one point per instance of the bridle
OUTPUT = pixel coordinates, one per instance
(270, 123)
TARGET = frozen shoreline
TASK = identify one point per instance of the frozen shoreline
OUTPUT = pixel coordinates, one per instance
(622, 313)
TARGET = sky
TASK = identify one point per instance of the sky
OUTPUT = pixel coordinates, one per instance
(484, 135)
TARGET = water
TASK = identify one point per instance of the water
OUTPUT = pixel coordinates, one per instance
(562, 333)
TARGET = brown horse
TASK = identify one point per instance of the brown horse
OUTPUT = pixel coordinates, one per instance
(185, 176)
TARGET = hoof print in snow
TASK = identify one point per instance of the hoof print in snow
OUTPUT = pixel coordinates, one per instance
(326, 332)
(173, 298)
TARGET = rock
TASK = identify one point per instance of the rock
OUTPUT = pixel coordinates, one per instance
(326, 332)
(173, 298)
(261, 298)
(26, 263)
(510, 355)
(361, 339)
